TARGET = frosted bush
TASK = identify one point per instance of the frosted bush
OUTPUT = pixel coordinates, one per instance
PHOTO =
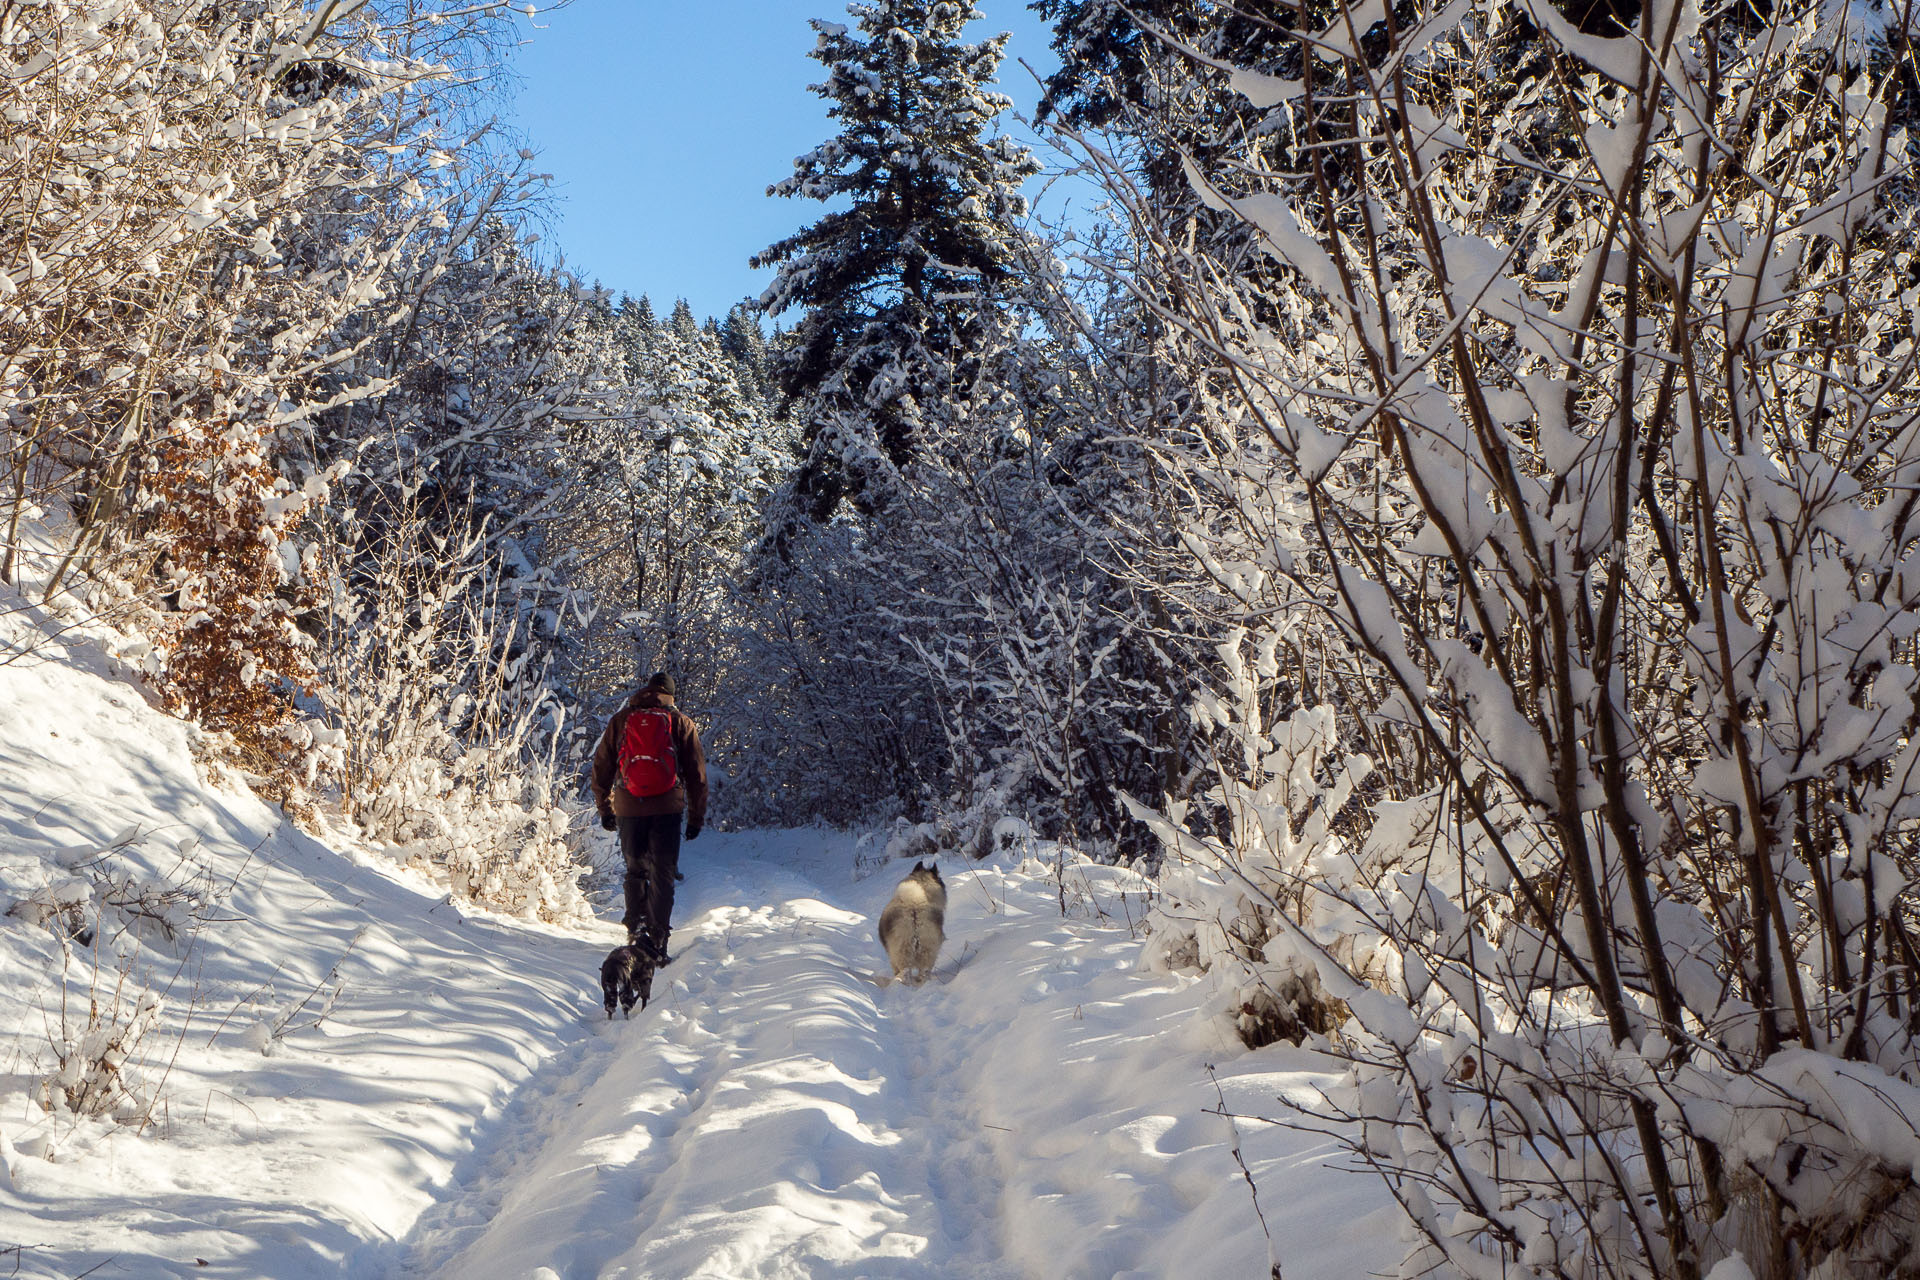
(137, 887)
(98, 1054)
(1240, 905)
(1558, 426)
(446, 753)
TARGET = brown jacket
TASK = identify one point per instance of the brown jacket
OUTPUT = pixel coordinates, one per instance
(689, 792)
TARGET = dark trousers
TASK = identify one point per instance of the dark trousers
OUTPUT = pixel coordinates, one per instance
(651, 846)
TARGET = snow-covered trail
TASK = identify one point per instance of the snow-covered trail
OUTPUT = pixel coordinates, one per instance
(1041, 1109)
(764, 1116)
(454, 1105)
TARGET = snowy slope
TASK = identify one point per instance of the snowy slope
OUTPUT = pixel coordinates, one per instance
(262, 1164)
(462, 1109)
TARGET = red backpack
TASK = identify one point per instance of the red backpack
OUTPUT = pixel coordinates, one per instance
(646, 752)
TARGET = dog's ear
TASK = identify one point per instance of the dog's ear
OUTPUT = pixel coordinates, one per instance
(919, 866)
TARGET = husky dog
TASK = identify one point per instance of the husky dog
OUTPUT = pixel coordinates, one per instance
(914, 923)
(626, 975)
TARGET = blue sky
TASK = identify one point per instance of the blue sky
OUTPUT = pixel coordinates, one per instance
(663, 121)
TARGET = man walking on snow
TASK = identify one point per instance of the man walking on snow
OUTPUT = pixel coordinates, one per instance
(647, 771)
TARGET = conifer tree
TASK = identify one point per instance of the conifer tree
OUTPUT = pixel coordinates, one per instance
(632, 328)
(746, 346)
(1126, 69)
(740, 336)
(682, 320)
(891, 283)
(1109, 59)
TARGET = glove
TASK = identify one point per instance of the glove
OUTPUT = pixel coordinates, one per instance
(609, 822)
(693, 831)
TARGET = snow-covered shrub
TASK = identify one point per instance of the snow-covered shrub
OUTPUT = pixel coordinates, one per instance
(63, 907)
(134, 887)
(98, 1054)
(1236, 904)
(113, 907)
(501, 832)
(1570, 399)
(302, 1012)
(973, 826)
(447, 735)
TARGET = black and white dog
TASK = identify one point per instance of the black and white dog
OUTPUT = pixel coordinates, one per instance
(626, 976)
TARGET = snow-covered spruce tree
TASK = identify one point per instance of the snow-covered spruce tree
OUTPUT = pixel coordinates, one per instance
(746, 346)
(1583, 413)
(891, 284)
(641, 310)
(1126, 74)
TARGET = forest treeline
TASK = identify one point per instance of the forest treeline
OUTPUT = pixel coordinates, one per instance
(1450, 513)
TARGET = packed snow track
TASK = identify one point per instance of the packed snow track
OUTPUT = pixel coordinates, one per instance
(778, 1111)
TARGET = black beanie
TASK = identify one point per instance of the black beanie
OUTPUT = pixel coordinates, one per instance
(661, 682)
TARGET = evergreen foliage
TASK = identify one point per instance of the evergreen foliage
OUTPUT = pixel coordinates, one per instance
(1133, 74)
(892, 283)
(682, 320)
(1111, 62)
(744, 344)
